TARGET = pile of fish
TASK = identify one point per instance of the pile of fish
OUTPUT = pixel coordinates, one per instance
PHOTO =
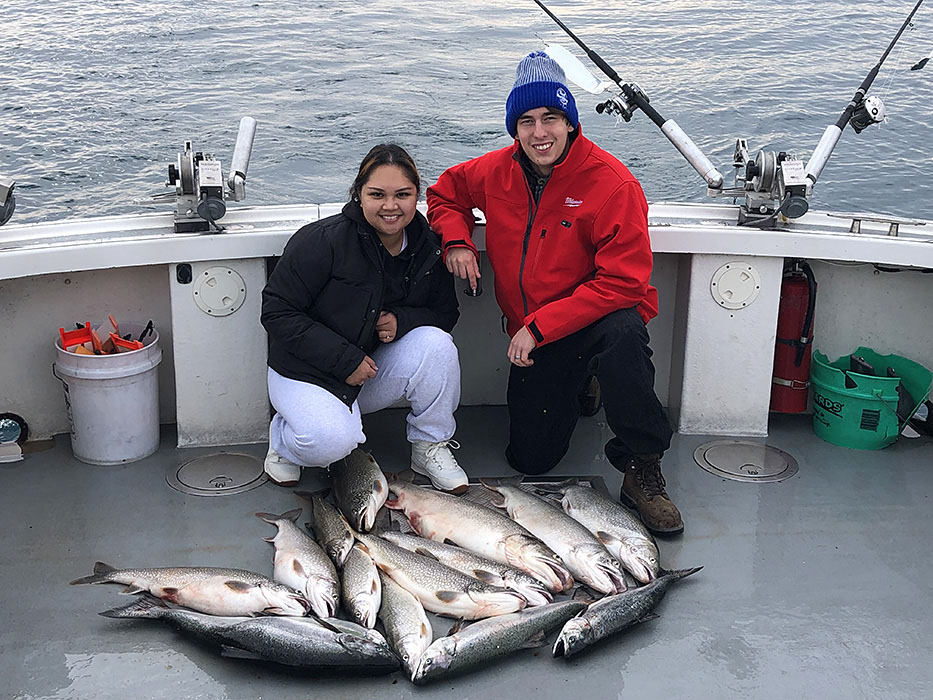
(503, 573)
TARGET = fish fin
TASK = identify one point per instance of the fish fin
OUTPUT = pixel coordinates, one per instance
(375, 587)
(583, 595)
(268, 517)
(455, 627)
(491, 484)
(292, 515)
(647, 617)
(425, 553)
(392, 503)
(297, 567)
(100, 575)
(141, 607)
(535, 640)
(606, 538)
(326, 625)
(236, 586)
(269, 539)
(447, 596)
(238, 653)
(489, 577)
(449, 541)
(133, 589)
(678, 573)
(377, 486)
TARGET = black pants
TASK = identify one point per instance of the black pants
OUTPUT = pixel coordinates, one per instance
(543, 399)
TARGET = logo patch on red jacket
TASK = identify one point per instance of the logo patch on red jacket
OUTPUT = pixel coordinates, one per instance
(571, 202)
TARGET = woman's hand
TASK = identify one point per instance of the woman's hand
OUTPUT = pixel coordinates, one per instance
(522, 343)
(387, 326)
(366, 371)
(462, 263)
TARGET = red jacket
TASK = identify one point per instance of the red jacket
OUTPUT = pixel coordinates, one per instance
(578, 255)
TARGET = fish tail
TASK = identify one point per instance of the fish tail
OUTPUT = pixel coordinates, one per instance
(101, 574)
(678, 574)
(273, 519)
(144, 607)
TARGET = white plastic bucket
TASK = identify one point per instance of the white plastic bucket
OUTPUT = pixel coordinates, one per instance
(112, 400)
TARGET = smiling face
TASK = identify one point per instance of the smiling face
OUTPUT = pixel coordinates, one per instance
(544, 135)
(389, 199)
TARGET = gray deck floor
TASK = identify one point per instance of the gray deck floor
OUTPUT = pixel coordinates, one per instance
(815, 587)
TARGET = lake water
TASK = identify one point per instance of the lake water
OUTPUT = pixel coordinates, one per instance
(97, 98)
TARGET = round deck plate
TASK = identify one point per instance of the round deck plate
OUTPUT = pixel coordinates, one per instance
(221, 474)
(742, 460)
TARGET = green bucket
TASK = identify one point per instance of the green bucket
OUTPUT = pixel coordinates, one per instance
(863, 416)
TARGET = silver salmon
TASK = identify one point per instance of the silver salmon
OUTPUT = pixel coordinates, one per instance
(492, 572)
(407, 626)
(303, 642)
(585, 556)
(360, 488)
(614, 613)
(329, 528)
(484, 531)
(207, 589)
(481, 642)
(361, 589)
(620, 530)
(300, 562)
(439, 588)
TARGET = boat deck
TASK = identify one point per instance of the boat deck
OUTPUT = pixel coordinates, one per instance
(817, 586)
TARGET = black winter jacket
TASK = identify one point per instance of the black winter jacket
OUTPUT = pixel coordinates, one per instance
(322, 300)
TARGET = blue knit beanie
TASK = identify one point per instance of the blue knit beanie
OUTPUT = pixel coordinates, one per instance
(539, 82)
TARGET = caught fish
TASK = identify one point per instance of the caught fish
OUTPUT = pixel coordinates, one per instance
(330, 530)
(620, 530)
(614, 613)
(207, 589)
(481, 642)
(360, 488)
(361, 590)
(492, 572)
(406, 624)
(300, 562)
(484, 531)
(303, 642)
(585, 556)
(439, 588)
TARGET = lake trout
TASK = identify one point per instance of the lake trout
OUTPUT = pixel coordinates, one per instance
(587, 558)
(614, 613)
(360, 488)
(361, 589)
(207, 589)
(484, 531)
(407, 627)
(300, 562)
(329, 528)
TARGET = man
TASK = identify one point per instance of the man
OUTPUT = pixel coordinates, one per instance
(567, 237)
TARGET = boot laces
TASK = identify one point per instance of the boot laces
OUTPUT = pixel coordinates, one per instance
(440, 454)
(648, 474)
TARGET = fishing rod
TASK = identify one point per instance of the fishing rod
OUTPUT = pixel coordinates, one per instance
(771, 184)
(861, 112)
(633, 98)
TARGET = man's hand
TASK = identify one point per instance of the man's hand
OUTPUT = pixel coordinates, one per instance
(522, 343)
(387, 326)
(366, 371)
(462, 263)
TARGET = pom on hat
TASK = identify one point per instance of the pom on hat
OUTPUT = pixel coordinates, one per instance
(539, 82)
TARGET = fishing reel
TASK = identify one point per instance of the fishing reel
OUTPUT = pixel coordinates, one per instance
(772, 184)
(7, 200)
(869, 111)
(622, 105)
(199, 183)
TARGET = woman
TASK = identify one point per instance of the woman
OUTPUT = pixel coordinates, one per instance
(358, 311)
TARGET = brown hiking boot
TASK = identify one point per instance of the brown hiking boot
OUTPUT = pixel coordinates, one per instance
(643, 490)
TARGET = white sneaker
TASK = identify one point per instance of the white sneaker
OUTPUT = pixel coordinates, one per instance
(280, 470)
(435, 461)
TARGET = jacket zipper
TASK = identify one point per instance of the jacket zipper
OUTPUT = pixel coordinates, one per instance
(534, 263)
(532, 211)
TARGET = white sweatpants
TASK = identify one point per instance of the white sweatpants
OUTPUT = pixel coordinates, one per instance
(314, 428)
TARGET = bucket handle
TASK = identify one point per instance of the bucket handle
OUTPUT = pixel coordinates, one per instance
(57, 376)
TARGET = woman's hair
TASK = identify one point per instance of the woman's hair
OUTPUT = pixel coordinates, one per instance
(384, 154)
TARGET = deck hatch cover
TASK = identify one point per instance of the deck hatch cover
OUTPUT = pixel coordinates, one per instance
(743, 460)
(220, 474)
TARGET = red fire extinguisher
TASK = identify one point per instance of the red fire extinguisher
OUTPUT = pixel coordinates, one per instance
(790, 381)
